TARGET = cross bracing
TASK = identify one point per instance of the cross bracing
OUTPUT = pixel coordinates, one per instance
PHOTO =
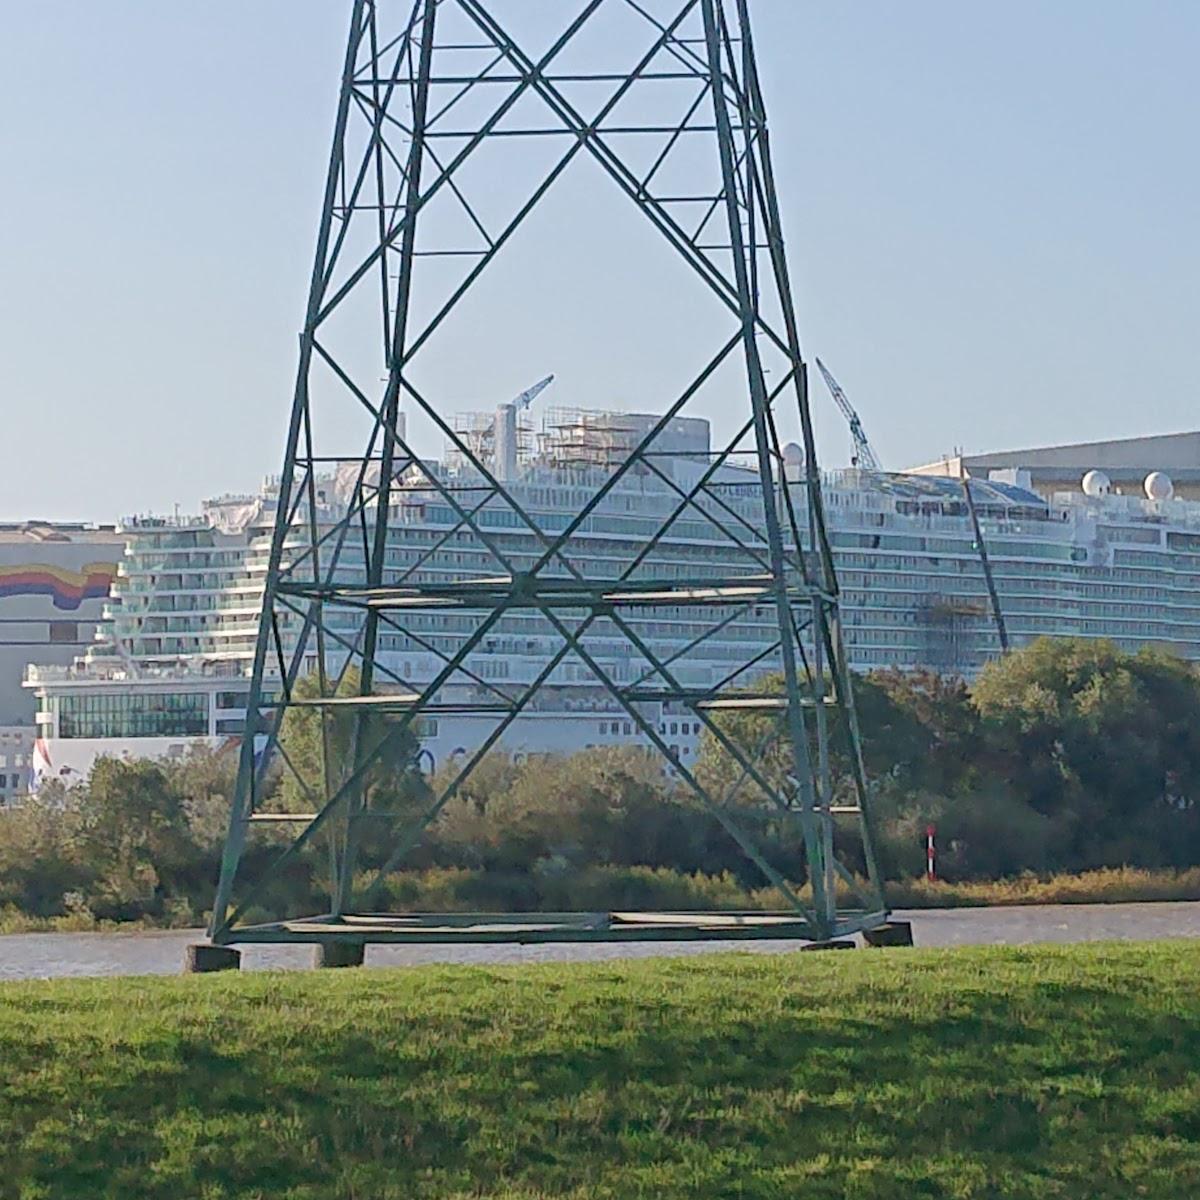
(453, 127)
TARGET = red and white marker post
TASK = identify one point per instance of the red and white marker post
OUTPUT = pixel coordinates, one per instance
(931, 853)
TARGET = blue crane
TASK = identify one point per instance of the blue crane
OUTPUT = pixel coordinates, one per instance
(864, 456)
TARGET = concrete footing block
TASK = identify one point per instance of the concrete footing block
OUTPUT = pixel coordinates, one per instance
(203, 958)
(339, 954)
(838, 944)
(894, 933)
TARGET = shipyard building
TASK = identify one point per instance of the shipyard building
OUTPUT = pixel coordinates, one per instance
(54, 583)
(1126, 462)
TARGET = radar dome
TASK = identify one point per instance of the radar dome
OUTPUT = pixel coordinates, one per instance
(1159, 486)
(1096, 483)
(793, 462)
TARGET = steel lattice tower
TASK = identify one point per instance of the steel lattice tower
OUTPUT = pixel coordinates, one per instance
(428, 87)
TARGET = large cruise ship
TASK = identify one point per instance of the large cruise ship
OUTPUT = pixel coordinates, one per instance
(172, 659)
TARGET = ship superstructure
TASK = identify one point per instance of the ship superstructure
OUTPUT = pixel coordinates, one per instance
(172, 659)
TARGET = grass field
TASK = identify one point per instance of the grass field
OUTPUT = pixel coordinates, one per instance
(1049, 1072)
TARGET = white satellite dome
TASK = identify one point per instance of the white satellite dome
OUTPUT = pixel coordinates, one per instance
(793, 454)
(1158, 486)
(1096, 483)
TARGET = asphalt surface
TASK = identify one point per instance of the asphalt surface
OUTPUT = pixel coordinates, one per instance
(56, 955)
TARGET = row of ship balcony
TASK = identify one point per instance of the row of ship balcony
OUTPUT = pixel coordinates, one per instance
(1024, 611)
(1070, 602)
(248, 600)
(858, 610)
(845, 493)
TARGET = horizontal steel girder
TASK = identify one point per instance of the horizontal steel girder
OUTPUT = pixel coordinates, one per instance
(547, 928)
(516, 592)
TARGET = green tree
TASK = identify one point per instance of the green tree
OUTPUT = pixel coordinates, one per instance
(910, 727)
(134, 833)
(322, 745)
(919, 727)
(913, 726)
(1104, 743)
(40, 859)
(204, 780)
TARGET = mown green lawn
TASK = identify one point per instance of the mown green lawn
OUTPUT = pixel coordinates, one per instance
(1049, 1072)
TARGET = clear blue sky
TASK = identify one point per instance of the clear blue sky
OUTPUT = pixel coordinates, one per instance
(992, 212)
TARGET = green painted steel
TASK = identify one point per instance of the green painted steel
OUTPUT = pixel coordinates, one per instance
(551, 928)
(401, 150)
(986, 564)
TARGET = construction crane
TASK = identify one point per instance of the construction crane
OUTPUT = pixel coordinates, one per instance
(864, 456)
(505, 436)
(527, 397)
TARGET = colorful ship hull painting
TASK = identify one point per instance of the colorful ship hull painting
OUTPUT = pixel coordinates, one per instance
(67, 589)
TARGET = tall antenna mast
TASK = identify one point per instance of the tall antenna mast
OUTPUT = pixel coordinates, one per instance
(436, 97)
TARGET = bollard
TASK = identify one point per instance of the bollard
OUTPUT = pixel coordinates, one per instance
(203, 958)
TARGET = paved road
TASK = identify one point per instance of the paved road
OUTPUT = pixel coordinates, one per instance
(46, 955)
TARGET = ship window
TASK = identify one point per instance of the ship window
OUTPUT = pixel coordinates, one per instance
(115, 715)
